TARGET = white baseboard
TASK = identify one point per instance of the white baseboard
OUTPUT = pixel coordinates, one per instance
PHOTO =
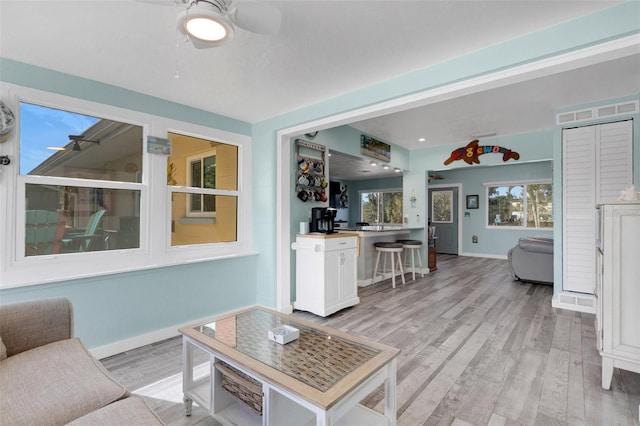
(486, 255)
(148, 338)
(578, 302)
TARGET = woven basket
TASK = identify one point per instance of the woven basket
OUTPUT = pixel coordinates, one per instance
(244, 388)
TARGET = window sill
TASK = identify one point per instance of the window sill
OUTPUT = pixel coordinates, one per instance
(197, 220)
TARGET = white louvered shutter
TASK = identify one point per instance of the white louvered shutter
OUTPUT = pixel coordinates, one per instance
(597, 164)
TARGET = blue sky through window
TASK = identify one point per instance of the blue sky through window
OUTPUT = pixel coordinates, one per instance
(42, 127)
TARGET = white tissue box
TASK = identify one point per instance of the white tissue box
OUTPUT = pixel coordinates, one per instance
(284, 334)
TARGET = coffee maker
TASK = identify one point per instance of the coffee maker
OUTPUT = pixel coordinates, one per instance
(322, 220)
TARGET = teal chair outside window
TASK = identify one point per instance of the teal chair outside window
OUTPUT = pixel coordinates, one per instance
(84, 240)
(43, 232)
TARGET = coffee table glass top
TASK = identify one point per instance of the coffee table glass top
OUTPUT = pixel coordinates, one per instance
(316, 358)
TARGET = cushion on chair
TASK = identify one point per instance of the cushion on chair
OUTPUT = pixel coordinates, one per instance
(54, 384)
(129, 411)
(536, 245)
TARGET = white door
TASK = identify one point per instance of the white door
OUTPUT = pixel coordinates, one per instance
(443, 212)
(596, 164)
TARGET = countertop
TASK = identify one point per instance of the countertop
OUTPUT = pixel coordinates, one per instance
(326, 236)
(381, 228)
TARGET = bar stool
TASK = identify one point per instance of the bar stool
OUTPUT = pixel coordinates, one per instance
(388, 249)
(413, 246)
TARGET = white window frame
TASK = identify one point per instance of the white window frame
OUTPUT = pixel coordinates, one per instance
(524, 184)
(17, 270)
(202, 191)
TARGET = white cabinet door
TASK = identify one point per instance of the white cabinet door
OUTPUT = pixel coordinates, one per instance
(620, 296)
(348, 284)
(332, 272)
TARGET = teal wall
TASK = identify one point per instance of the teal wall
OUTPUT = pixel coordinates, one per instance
(116, 307)
(137, 303)
(491, 240)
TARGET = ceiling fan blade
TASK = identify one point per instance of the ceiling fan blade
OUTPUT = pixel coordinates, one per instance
(172, 3)
(257, 17)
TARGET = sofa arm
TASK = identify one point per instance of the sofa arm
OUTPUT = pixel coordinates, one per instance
(27, 325)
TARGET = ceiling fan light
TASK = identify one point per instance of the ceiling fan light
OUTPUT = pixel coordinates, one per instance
(205, 29)
(205, 26)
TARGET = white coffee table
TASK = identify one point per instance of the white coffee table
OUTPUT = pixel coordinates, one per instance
(318, 379)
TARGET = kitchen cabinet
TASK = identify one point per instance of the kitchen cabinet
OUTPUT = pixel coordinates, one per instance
(618, 288)
(326, 272)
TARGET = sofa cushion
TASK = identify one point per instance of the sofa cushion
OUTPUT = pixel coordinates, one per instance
(130, 411)
(54, 384)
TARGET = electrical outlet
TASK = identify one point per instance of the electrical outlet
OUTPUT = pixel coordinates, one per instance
(474, 239)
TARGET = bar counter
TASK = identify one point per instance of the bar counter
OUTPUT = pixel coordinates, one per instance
(367, 236)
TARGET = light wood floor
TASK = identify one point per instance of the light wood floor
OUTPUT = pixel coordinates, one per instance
(477, 349)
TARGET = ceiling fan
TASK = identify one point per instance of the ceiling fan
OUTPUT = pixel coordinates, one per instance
(209, 23)
(434, 176)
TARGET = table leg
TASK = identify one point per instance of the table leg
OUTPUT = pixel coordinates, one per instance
(390, 393)
(188, 405)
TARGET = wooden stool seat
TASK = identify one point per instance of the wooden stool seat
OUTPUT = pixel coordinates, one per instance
(388, 248)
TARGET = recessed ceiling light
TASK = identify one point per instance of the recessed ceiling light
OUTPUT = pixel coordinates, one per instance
(397, 169)
(373, 163)
(386, 167)
(422, 140)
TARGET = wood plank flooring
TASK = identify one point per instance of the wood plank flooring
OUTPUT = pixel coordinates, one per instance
(477, 349)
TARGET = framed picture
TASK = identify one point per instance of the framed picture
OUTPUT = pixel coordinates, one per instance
(472, 201)
(375, 148)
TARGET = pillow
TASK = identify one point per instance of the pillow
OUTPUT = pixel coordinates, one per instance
(3, 351)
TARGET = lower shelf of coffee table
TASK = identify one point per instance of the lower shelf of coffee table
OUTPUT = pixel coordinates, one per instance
(237, 413)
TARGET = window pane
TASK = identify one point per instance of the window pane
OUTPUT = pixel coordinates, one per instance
(59, 143)
(505, 205)
(441, 206)
(196, 174)
(220, 170)
(392, 206)
(370, 207)
(71, 219)
(200, 230)
(539, 206)
(381, 207)
(209, 170)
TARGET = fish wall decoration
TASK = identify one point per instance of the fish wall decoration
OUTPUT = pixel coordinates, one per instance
(470, 153)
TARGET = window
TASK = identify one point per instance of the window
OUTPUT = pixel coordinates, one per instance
(80, 174)
(523, 205)
(207, 211)
(442, 206)
(202, 174)
(381, 207)
(88, 198)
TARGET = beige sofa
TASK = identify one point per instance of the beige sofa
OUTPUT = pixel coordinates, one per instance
(47, 377)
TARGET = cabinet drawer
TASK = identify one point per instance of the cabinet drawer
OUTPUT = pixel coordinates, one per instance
(340, 243)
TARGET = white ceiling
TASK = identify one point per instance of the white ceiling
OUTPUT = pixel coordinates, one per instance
(324, 49)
